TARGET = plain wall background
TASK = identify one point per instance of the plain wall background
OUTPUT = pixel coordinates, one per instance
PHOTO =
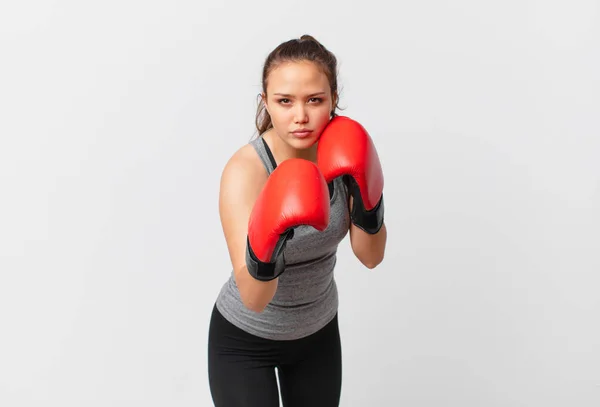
(117, 117)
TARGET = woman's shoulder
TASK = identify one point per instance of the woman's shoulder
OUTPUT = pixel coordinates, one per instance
(245, 165)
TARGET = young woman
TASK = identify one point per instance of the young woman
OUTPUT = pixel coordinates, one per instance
(286, 201)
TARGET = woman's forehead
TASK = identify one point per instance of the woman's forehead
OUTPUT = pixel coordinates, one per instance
(297, 78)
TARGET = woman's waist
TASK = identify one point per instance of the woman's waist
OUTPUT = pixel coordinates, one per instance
(283, 318)
(292, 292)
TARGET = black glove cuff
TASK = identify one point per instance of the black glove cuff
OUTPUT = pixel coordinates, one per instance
(267, 271)
(369, 221)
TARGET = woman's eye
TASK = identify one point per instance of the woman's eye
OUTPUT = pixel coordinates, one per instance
(311, 100)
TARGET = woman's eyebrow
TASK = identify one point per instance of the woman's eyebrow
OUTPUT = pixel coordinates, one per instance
(288, 95)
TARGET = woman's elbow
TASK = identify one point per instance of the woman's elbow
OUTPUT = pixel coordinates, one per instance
(371, 263)
(255, 295)
(254, 304)
(369, 258)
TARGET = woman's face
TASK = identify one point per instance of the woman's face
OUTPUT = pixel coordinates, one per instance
(299, 102)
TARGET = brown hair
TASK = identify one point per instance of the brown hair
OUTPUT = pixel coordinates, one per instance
(305, 48)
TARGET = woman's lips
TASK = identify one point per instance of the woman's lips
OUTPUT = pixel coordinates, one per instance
(302, 133)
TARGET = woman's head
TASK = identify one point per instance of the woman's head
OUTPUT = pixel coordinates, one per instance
(299, 91)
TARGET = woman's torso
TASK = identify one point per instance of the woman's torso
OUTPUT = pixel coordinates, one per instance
(306, 298)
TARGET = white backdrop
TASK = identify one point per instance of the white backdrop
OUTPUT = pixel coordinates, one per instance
(117, 117)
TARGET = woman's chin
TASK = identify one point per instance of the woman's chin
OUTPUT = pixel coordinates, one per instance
(302, 143)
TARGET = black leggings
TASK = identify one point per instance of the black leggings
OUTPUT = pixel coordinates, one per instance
(241, 367)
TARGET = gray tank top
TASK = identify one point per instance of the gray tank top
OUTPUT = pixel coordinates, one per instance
(306, 298)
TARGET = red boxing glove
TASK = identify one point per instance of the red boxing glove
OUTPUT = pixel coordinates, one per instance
(346, 149)
(295, 194)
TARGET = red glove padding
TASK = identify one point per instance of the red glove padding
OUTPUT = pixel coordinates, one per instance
(346, 149)
(295, 194)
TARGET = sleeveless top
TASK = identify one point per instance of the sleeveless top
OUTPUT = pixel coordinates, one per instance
(306, 298)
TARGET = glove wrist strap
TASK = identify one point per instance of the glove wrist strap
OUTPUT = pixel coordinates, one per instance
(267, 271)
(368, 220)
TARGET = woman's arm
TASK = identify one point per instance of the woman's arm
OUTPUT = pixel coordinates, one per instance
(241, 182)
(368, 248)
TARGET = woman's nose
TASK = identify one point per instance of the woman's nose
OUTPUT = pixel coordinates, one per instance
(300, 115)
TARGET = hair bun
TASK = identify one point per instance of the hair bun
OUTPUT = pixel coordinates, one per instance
(307, 37)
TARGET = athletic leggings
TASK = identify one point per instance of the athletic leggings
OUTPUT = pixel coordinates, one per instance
(241, 367)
